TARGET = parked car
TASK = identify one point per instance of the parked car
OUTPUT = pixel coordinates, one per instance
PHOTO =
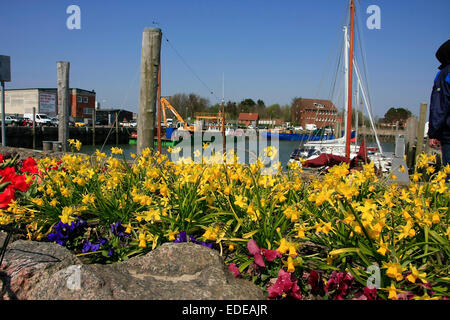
(41, 118)
(131, 124)
(24, 122)
(299, 128)
(54, 121)
(9, 120)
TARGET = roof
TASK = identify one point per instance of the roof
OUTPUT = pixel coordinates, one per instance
(112, 110)
(313, 103)
(248, 116)
(78, 89)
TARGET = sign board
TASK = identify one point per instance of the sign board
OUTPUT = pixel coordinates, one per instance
(47, 103)
(5, 68)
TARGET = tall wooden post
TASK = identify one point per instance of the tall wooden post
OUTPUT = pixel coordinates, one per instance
(5, 76)
(159, 109)
(3, 114)
(117, 128)
(34, 128)
(62, 69)
(150, 58)
(93, 127)
(421, 128)
(410, 140)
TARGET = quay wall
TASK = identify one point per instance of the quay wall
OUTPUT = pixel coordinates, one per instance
(22, 137)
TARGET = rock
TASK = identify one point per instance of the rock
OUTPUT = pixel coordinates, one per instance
(2, 238)
(26, 263)
(174, 271)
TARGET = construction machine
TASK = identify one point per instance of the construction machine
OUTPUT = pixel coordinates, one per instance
(166, 104)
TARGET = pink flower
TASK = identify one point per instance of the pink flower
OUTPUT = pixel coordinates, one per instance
(234, 269)
(407, 295)
(339, 283)
(370, 293)
(256, 252)
(271, 255)
(286, 283)
(316, 283)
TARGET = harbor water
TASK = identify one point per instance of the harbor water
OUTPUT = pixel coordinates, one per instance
(285, 149)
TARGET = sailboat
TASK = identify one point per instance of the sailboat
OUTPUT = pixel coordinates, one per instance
(334, 151)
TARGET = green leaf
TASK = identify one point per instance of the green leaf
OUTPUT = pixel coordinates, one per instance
(243, 266)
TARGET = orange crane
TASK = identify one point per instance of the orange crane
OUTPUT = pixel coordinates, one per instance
(166, 104)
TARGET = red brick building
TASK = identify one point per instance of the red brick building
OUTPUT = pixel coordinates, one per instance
(248, 119)
(322, 113)
(82, 103)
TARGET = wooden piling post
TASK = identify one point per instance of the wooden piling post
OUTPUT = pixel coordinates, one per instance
(410, 140)
(93, 127)
(3, 113)
(34, 128)
(159, 109)
(117, 128)
(421, 128)
(150, 59)
(62, 68)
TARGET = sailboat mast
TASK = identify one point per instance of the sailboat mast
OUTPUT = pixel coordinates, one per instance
(350, 79)
(345, 79)
(223, 114)
(357, 113)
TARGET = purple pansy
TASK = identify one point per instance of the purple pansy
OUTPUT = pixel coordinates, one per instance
(119, 230)
(183, 237)
(62, 232)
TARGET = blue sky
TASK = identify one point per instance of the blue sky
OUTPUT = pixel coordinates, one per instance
(269, 50)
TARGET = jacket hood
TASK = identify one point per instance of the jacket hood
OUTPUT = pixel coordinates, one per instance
(443, 54)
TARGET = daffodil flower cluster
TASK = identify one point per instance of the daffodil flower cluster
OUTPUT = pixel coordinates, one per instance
(345, 219)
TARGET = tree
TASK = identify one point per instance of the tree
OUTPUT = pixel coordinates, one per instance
(273, 111)
(188, 105)
(247, 105)
(397, 114)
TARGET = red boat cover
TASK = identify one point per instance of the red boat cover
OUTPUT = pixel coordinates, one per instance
(326, 159)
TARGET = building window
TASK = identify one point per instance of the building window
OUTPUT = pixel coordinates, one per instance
(85, 100)
(79, 99)
(88, 110)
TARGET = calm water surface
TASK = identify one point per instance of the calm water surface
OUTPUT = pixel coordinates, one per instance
(285, 149)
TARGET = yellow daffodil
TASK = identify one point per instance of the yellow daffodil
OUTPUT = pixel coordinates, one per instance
(394, 270)
(383, 248)
(291, 267)
(115, 150)
(426, 297)
(415, 274)
(142, 242)
(393, 292)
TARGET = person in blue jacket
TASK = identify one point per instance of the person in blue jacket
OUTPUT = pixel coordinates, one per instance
(439, 120)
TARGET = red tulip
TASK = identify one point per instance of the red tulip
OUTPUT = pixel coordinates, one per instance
(6, 197)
